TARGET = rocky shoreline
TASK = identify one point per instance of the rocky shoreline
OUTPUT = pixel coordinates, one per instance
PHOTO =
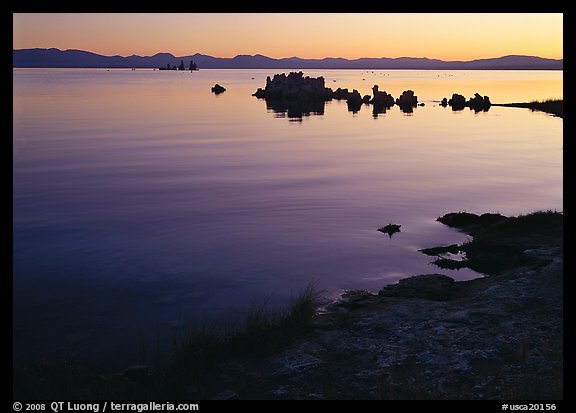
(427, 337)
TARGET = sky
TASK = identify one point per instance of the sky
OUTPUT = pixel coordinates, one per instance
(446, 36)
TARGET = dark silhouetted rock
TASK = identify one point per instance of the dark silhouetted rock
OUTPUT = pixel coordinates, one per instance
(407, 100)
(260, 93)
(294, 86)
(295, 94)
(435, 287)
(452, 249)
(479, 102)
(470, 222)
(457, 102)
(390, 229)
(218, 89)
(382, 99)
(449, 264)
(341, 94)
(354, 101)
(444, 102)
(499, 242)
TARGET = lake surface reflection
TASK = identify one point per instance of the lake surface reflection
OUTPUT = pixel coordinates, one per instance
(142, 200)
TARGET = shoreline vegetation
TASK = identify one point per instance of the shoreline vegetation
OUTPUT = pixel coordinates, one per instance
(426, 337)
(553, 106)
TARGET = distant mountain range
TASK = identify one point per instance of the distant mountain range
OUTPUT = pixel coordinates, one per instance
(51, 58)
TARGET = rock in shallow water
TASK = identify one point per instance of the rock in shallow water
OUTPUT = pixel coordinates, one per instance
(390, 229)
(218, 89)
(435, 287)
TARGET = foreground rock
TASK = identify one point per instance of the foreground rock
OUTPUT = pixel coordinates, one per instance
(470, 223)
(435, 287)
(501, 243)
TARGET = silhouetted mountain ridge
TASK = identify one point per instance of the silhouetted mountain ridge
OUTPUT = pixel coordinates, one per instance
(72, 58)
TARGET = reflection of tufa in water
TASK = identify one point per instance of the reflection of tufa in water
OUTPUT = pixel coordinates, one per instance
(301, 92)
(390, 229)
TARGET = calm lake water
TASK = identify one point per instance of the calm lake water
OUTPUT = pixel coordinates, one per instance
(141, 200)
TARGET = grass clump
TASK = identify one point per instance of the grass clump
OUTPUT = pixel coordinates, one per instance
(196, 362)
(263, 330)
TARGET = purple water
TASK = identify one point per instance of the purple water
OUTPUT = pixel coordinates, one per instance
(142, 200)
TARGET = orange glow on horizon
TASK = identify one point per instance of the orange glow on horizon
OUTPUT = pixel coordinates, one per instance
(450, 36)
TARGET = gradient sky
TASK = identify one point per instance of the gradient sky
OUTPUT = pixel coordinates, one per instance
(446, 36)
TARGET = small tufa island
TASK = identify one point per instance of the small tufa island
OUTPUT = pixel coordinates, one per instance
(218, 89)
(477, 103)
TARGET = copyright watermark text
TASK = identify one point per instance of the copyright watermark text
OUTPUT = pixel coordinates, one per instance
(98, 407)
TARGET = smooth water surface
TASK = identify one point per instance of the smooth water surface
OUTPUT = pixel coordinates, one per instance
(142, 200)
